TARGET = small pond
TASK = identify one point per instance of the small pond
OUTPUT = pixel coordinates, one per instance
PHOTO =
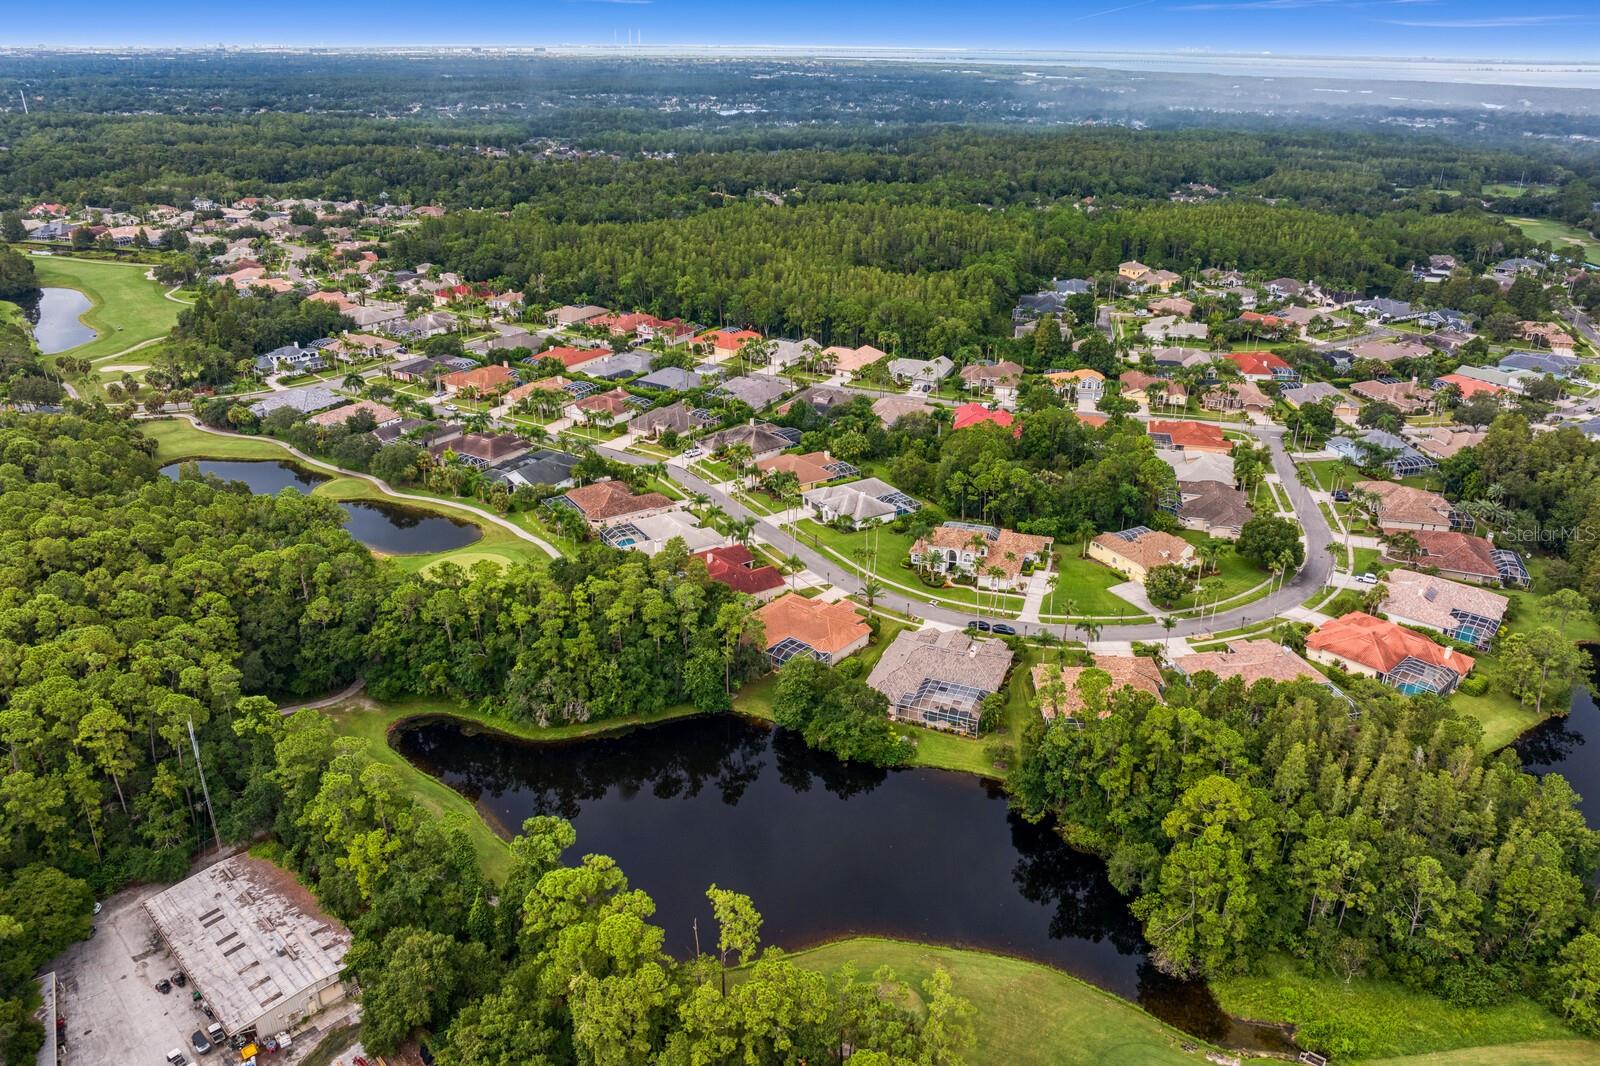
(1569, 746)
(824, 848)
(384, 527)
(56, 325)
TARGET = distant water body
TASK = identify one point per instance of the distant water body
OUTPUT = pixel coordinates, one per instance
(1577, 73)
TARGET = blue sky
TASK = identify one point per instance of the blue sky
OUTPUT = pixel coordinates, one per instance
(1568, 29)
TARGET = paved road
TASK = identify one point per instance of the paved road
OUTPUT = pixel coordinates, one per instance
(1313, 575)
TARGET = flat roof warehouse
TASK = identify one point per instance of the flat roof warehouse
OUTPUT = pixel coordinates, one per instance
(254, 942)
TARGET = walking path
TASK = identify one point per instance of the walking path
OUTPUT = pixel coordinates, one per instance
(326, 701)
(383, 486)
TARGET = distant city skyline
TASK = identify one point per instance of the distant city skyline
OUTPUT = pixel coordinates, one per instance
(1566, 30)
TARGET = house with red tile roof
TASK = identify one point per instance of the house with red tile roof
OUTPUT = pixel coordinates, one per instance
(1470, 387)
(1261, 366)
(1458, 555)
(381, 415)
(735, 567)
(570, 357)
(1189, 436)
(484, 380)
(605, 502)
(975, 414)
(797, 626)
(603, 408)
(723, 343)
(1375, 647)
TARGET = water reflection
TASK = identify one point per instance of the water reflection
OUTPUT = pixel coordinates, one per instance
(54, 313)
(826, 849)
(382, 527)
(1560, 745)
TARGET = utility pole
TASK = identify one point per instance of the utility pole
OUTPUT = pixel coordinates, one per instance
(24, 98)
(204, 791)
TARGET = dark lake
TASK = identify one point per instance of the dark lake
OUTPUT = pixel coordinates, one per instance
(1569, 746)
(383, 527)
(825, 849)
(54, 314)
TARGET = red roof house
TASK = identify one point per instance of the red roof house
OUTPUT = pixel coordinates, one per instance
(1189, 436)
(973, 414)
(736, 568)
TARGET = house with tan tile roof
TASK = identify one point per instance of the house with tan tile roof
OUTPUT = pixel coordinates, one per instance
(1405, 396)
(1403, 507)
(939, 678)
(381, 415)
(1135, 552)
(974, 550)
(891, 409)
(811, 469)
(1395, 655)
(602, 408)
(605, 502)
(849, 360)
(1067, 701)
(826, 631)
(1466, 613)
(1466, 558)
(1251, 660)
(484, 380)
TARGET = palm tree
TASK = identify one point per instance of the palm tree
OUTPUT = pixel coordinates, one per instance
(353, 382)
(1169, 623)
(871, 589)
(1091, 631)
(792, 566)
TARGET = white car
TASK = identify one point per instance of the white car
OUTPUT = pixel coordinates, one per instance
(1368, 578)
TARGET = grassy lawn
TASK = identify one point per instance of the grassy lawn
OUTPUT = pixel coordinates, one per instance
(127, 309)
(176, 439)
(1562, 237)
(1376, 1019)
(1532, 1053)
(892, 551)
(1088, 585)
(1026, 1014)
(1235, 574)
(1332, 473)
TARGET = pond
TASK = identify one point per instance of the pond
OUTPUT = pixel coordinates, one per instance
(824, 848)
(1562, 745)
(56, 325)
(384, 527)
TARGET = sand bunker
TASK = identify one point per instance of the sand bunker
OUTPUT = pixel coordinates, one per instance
(123, 368)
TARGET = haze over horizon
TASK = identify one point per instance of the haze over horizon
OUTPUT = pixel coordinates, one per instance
(1557, 30)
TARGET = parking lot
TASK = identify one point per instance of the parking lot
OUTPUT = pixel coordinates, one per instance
(108, 995)
(115, 1015)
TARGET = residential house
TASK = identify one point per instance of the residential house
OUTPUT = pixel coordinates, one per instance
(1171, 328)
(823, 399)
(1133, 271)
(1032, 306)
(381, 415)
(976, 414)
(735, 567)
(1262, 321)
(1383, 309)
(921, 372)
(1469, 558)
(670, 331)
(1516, 381)
(420, 368)
(1344, 408)
(1213, 507)
(304, 399)
(1198, 466)
(784, 353)
(605, 503)
(359, 346)
(483, 381)
(1395, 655)
(571, 315)
(1470, 387)
(1135, 552)
(810, 470)
(553, 385)
(506, 303)
(1507, 270)
(1057, 687)
(1172, 305)
(1262, 367)
(602, 408)
(859, 504)
(1243, 396)
(725, 343)
(1449, 341)
(545, 467)
(1251, 660)
(826, 631)
(484, 449)
(1466, 613)
(649, 533)
(1553, 364)
(1402, 460)
(1444, 442)
(671, 378)
(1305, 319)
(1389, 351)
(756, 390)
(995, 558)
(1407, 397)
(1286, 288)
(505, 342)
(939, 678)
(1158, 281)
(618, 367)
(850, 360)
(1546, 335)
(1084, 385)
(572, 358)
(1401, 507)
(1072, 286)
(1188, 436)
(763, 440)
(679, 417)
(1001, 379)
(891, 409)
